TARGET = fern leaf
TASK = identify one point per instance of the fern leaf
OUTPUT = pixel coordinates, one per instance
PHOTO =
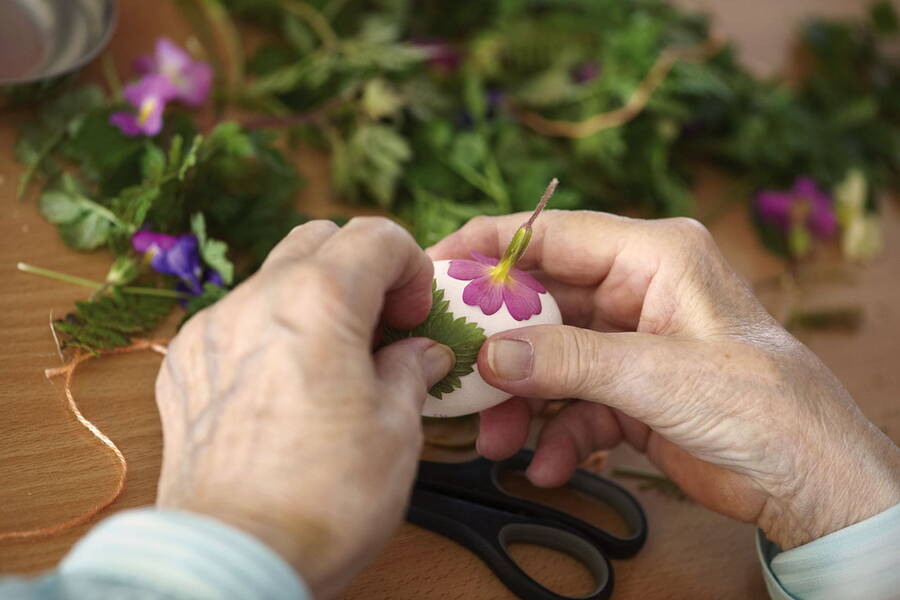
(111, 321)
(461, 336)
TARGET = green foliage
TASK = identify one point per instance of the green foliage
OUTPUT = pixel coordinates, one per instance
(111, 321)
(213, 252)
(232, 188)
(461, 336)
(58, 120)
(436, 141)
(83, 224)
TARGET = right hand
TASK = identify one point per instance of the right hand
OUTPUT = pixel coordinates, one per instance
(666, 348)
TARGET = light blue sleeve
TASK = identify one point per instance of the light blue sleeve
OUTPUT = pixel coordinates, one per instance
(150, 554)
(860, 561)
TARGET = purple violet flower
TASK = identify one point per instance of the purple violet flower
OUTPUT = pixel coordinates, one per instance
(178, 256)
(494, 283)
(149, 97)
(805, 205)
(191, 79)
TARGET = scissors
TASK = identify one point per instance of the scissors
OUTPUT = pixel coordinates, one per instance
(465, 502)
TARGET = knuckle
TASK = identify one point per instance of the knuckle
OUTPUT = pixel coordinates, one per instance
(479, 222)
(318, 226)
(375, 226)
(574, 361)
(689, 231)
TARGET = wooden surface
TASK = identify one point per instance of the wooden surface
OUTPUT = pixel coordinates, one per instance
(51, 469)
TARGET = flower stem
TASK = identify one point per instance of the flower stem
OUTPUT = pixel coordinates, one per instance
(519, 242)
(96, 285)
(543, 203)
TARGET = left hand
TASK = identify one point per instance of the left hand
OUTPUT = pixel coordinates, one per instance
(279, 420)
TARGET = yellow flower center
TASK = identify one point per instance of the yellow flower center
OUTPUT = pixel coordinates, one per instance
(147, 107)
(500, 274)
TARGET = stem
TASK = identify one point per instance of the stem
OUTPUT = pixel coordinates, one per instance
(542, 203)
(112, 78)
(158, 292)
(25, 267)
(332, 8)
(633, 106)
(315, 20)
(519, 242)
(96, 285)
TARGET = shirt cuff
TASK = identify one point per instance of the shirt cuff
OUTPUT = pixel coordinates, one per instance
(182, 555)
(860, 561)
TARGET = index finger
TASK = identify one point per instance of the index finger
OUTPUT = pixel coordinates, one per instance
(382, 270)
(573, 247)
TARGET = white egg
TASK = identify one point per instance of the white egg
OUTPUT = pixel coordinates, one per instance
(475, 394)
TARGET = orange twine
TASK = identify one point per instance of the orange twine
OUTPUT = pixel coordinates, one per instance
(69, 371)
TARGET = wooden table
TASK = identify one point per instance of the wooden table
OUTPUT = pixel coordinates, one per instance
(51, 469)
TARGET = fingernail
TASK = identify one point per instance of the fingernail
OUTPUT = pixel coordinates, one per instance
(438, 359)
(510, 359)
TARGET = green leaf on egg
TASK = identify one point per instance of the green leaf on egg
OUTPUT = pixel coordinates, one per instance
(463, 337)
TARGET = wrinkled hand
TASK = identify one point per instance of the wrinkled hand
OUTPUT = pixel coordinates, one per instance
(276, 416)
(668, 349)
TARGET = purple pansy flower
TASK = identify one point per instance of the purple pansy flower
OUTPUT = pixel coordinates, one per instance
(178, 256)
(191, 79)
(805, 205)
(149, 97)
(492, 286)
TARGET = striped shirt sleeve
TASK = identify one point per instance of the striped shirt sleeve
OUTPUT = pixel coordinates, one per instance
(179, 555)
(860, 561)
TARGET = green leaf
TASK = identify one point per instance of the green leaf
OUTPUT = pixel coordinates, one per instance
(461, 336)
(83, 224)
(190, 157)
(60, 207)
(110, 321)
(213, 252)
(134, 203)
(884, 17)
(104, 153)
(230, 138)
(88, 232)
(153, 163)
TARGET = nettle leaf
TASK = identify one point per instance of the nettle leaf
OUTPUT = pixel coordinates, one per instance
(213, 252)
(461, 336)
(110, 321)
(88, 232)
(59, 207)
(83, 224)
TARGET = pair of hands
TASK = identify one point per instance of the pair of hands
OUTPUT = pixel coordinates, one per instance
(279, 420)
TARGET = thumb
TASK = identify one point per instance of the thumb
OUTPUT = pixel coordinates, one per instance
(638, 373)
(410, 367)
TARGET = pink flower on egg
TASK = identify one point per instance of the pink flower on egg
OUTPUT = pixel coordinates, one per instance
(494, 283)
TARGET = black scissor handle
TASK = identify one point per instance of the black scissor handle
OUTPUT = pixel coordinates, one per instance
(479, 480)
(488, 532)
(600, 488)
